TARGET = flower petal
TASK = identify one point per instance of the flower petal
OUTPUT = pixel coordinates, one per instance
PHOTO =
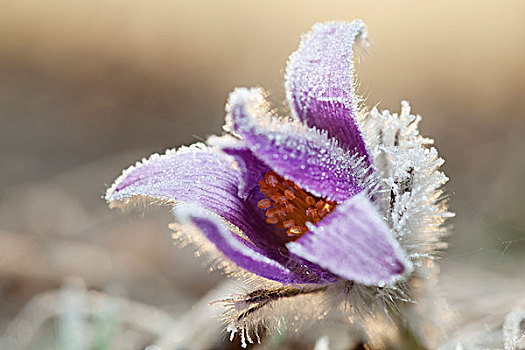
(303, 155)
(195, 173)
(320, 86)
(252, 169)
(355, 243)
(231, 245)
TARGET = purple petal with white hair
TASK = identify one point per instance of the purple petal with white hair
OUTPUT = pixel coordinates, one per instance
(231, 245)
(194, 174)
(303, 155)
(320, 86)
(354, 243)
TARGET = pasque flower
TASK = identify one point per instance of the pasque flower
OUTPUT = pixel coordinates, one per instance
(334, 194)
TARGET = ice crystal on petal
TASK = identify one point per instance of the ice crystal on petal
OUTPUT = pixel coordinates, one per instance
(409, 170)
(365, 260)
(318, 164)
(320, 84)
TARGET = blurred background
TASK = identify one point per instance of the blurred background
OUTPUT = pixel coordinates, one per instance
(89, 87)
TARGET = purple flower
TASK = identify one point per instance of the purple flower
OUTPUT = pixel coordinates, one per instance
(298, 190)
(336, 200)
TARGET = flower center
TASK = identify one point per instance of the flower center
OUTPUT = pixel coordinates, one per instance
(290, 207)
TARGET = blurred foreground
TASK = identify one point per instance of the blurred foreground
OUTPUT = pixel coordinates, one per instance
(89, 87)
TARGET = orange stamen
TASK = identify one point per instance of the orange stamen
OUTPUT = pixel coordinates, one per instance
(290, 207)
(264, 204)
